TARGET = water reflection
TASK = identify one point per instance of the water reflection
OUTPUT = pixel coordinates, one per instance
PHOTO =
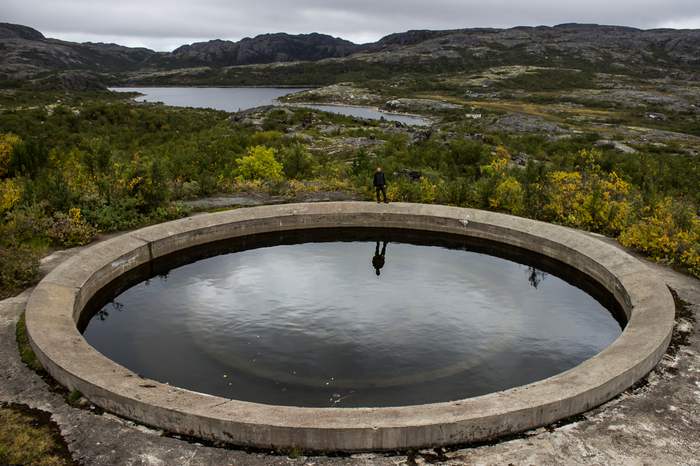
(379, 257)
(368, 113)
(103, 313)
(307, 325)
(535, 276)
(235, 99)
(230, 99)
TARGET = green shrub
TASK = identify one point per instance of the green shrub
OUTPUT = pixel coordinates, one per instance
(40, 221)
(28, 157)
(70, 230)
(298, 163)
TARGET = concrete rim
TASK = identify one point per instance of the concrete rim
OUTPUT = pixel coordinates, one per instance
(56, 304)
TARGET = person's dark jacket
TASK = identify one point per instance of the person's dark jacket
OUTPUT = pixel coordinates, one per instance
(379, 179)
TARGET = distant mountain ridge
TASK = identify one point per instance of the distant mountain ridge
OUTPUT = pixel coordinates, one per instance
(27, 53)
(266, 48)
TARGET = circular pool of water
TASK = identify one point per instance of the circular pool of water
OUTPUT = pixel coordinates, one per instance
(63, 301)
(355, 318)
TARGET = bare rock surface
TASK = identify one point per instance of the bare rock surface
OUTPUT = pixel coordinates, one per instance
(634, 98)
(338, 94)
(657, 422)
(418, 105)
(624, 148)
(256, 199)
(522, 123)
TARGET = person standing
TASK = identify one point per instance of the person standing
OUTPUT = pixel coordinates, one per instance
(380, 184)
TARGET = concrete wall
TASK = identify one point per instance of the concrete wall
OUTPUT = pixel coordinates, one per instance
(57, 302)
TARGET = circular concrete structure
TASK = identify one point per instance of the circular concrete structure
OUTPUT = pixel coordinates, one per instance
(58, 301)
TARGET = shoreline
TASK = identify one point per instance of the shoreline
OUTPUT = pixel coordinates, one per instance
(427, 120)
(432, 120)
(277, 86)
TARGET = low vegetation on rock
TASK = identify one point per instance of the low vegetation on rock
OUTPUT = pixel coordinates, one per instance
(563, 124)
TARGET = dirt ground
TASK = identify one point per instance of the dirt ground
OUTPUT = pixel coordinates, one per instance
(256, 199)
(657, 422)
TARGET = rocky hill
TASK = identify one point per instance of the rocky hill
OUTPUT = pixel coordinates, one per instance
(15, 31)
(26, 53)
(267, 48)
(587, 41)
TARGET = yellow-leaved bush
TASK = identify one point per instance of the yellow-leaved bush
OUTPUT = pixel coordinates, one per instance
(7, 141)
(592, 201)
(508, 196)
(71, 229)
(10, 193)
(665, 235)
(260, 164)
(405, 190)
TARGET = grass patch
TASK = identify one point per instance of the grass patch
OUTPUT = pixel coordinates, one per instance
(25, 350)
(29, 437)
(291, 451)
(75, 398)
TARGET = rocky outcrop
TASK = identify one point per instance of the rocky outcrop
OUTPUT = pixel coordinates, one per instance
(26, 53)
(417, 105)
(267, 48)
(624, 148)
(589, 41)
(410, 175)
(403, 39)
(634, 98)
(521, 123)
(340, 94)
(15, 31)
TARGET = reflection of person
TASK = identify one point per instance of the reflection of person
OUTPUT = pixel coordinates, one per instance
(380, 184)
(378, 259)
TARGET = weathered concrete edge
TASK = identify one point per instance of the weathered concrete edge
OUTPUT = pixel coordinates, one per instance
(56, 304)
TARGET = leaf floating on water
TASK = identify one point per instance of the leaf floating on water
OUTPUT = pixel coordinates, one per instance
(335, 402)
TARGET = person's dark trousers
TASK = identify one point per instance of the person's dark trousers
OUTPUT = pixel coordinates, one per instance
(381, 189)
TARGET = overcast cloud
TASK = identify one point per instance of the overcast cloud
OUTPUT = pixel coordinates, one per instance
(164, 25)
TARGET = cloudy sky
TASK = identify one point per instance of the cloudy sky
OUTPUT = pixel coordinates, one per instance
(164, 25)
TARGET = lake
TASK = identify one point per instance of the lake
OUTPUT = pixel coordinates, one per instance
(234, 99)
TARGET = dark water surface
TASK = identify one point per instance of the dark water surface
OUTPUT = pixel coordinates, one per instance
(229, 99)
(369, 113)
(234, 99)
(314, 324)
